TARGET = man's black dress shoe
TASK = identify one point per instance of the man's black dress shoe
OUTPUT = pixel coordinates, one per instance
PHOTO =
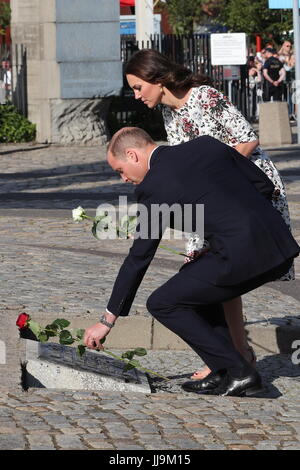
(208, 384)
(247, 385)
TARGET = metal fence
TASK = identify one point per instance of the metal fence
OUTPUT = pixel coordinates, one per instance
(13, 76)
(5, 73)
(19, 80)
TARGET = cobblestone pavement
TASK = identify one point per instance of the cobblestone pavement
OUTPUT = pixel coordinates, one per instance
(52, 266)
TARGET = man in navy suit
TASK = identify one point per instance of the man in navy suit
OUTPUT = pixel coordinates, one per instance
(249, 245)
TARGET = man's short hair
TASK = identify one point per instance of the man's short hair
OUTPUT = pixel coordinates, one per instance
(271, 50)
(128, 137)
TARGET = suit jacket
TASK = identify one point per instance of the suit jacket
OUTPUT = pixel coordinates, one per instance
(248, 237)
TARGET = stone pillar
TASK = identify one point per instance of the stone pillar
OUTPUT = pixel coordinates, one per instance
(274, 124)
(73, 65)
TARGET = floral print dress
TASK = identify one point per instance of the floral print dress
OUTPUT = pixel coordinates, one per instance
(209, 112)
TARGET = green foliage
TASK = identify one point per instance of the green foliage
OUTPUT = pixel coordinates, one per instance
(78, 333)
(140, 351)
(182, 14)
(61, 323)
(35, 328)
(254, 17)
(81, 350)
(65, 337)
(127, 226)
(104, 223)
(5, 15)
(14, 127)
(251, 17)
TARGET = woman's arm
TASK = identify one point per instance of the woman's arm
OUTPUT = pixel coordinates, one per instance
(246, 148)
(237, 132)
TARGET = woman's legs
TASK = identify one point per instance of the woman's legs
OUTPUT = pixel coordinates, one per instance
(233, 310)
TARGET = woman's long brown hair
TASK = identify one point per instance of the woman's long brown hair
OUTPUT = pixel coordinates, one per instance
(154, 67)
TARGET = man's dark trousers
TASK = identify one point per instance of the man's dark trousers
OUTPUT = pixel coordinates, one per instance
(192, 309)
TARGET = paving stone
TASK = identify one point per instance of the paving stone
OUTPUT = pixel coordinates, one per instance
(214, 447)
(70, 442)
(40, 442)
(183, 443)
(98, 443)
(12, 442)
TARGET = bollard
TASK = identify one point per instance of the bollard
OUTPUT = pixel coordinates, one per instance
(274, 124)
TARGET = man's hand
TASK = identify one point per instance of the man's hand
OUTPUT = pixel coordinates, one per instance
(94, 334)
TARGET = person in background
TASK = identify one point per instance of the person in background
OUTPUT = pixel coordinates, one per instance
(6, 77)
(274, 74)
(286, 56)
(255, 80)
(192, 108)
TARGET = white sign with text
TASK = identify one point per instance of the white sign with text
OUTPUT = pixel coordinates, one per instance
(228, 49)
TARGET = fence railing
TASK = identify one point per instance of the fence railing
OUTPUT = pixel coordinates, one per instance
(5, 73)
(13, 76)
(19, 79)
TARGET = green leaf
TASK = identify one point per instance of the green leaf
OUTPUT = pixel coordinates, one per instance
(140, 352)
(128, 367)
(35, 328)
(61, 323)
(94, 230)
(13, 126)
(81, 350)
(135, 363)
(51, 330)
(127, 225)
(43, 337)
(128, 355)
(79, 333)
(102, 223)
(101, 215)
(65, 337)
(132, 365)
(132, 223)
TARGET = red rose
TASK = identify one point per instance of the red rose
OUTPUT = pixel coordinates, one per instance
(22, 320)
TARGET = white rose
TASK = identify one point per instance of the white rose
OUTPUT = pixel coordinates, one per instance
(78, 214)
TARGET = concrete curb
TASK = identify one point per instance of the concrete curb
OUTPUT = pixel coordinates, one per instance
(143, 331)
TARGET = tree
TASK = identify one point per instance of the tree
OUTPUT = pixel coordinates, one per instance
(5, 14)
(183, 14)
(254, 17)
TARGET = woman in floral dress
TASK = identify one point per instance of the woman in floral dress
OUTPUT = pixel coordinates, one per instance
(192, 108)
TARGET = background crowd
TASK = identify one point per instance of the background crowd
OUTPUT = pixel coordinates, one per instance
(271, 73)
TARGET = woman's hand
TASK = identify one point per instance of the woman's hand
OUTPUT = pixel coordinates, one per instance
(247, 148)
